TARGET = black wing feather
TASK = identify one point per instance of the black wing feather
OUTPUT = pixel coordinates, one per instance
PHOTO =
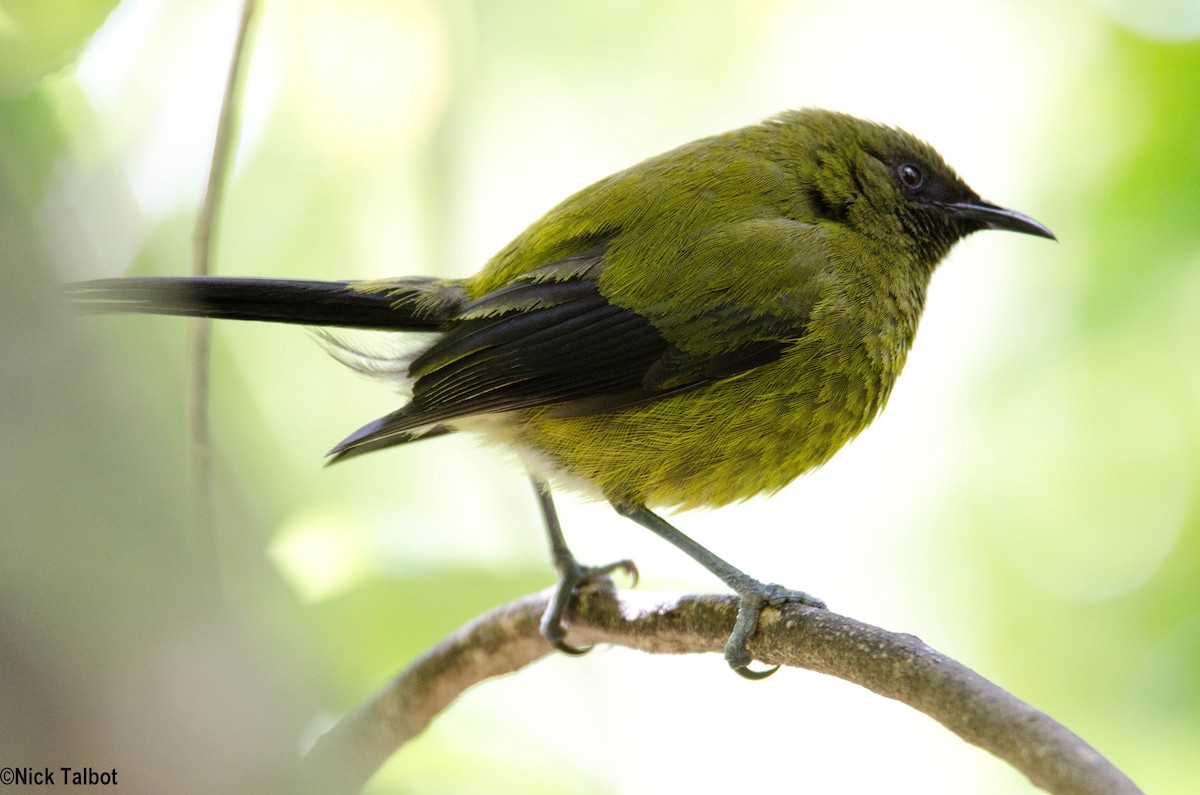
(557, 343)
(574, 349)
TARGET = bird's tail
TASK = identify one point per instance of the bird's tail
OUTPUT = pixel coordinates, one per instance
(410, 304)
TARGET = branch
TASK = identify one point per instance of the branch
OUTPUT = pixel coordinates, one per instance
(203, 234)
(895, 665)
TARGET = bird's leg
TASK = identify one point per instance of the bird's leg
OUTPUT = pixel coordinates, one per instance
(571, 573)
(754, 595)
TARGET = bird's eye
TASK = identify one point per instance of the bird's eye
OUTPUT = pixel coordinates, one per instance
(910, 176)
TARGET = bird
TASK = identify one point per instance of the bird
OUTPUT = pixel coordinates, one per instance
(697, 329)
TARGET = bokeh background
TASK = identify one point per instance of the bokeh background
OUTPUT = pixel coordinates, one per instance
(1026, 504)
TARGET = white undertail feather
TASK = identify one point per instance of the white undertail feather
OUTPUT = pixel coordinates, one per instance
(379, 355)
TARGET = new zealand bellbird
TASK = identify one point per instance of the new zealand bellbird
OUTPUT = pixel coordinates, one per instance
(694, 330)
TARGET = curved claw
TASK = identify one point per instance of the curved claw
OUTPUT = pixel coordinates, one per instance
(555, 633)
(567, 648)
(575, 576)
(746, 672)
(753, 600)
(628, 566)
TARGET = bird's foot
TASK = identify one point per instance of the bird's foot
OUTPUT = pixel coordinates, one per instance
(754, 597)
(573, 576)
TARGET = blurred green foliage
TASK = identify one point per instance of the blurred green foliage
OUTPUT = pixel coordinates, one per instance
(37, 38)
(1096, 441)
(1028, 503)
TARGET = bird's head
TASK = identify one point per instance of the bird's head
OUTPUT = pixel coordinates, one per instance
(890, 185)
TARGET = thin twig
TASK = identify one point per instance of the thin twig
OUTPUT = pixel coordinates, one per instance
(200, 330)
(895, 665)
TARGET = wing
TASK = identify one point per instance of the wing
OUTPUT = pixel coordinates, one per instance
(553, 338)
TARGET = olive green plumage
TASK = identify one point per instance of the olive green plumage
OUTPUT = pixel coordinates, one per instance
(793, 240)
(696, 329)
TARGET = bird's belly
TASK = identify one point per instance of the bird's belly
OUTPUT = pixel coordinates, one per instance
(707, 447)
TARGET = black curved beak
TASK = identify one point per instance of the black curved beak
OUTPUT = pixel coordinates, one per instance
(992, 216)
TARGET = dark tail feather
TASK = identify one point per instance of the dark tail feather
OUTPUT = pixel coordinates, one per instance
(408, 304)
(379, 435)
